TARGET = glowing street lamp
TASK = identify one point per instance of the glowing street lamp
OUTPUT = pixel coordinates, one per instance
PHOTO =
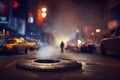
(98, 30)
(79, 41)
(41, 15)
(44, 15)
(44, 9)
(77, 30)
(92, 33)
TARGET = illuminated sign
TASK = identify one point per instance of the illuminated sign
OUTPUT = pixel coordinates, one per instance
(30, 18)
(4, 11)
(39, 17)
(3, 20)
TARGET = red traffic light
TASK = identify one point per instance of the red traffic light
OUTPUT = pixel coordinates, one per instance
(15, 4)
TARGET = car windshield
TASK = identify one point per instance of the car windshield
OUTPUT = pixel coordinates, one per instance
(10, 41)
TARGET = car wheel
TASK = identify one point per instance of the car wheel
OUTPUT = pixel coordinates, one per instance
(26, 50)
(103, 50)
(93, 50)
(15, 50)
(31, 48)
(81, 50)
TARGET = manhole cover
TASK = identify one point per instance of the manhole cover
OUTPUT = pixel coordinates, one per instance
(48, 64)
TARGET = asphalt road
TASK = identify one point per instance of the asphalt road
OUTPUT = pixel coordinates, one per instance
(95, 67)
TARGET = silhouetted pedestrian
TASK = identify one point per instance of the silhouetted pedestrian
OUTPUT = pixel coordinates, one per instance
(62, 47)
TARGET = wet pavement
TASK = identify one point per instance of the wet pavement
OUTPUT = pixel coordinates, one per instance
(95, 67)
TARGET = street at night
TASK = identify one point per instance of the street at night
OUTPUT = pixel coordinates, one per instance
(59, 39)
(94, 67)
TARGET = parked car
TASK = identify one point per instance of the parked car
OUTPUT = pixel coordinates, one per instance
(1, 40)
(88, 47)
(111, 43)
(72, 48)
(68, 47)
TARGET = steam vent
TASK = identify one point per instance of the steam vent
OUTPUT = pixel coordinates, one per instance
(48, 64)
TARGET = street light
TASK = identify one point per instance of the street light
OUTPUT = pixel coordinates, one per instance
(77, 30)
(77, 34)
(44, 9)
(41, 15)
(79, 41)
(98, 30)
(44, 15)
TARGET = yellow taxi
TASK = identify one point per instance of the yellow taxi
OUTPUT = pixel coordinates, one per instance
(16, 45)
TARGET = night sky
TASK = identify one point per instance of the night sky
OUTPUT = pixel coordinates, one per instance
(66, 16)
(89, 12)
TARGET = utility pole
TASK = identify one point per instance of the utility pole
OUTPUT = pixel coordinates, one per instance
(10, 12)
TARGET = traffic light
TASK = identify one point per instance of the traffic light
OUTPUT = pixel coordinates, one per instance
(15, 4)
(20, 8)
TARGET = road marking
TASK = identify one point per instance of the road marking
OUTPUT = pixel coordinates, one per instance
(103, 64)
(11, 64)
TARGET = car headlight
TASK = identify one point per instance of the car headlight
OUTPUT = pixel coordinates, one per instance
(9, 46)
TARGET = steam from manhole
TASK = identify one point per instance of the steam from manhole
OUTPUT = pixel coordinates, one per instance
(48, 62)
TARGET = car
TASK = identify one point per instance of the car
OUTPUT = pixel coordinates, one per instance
(68, 47)
(88, 47)
(1, 40)
(72, 48)
(16, 45)
(111, 44)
